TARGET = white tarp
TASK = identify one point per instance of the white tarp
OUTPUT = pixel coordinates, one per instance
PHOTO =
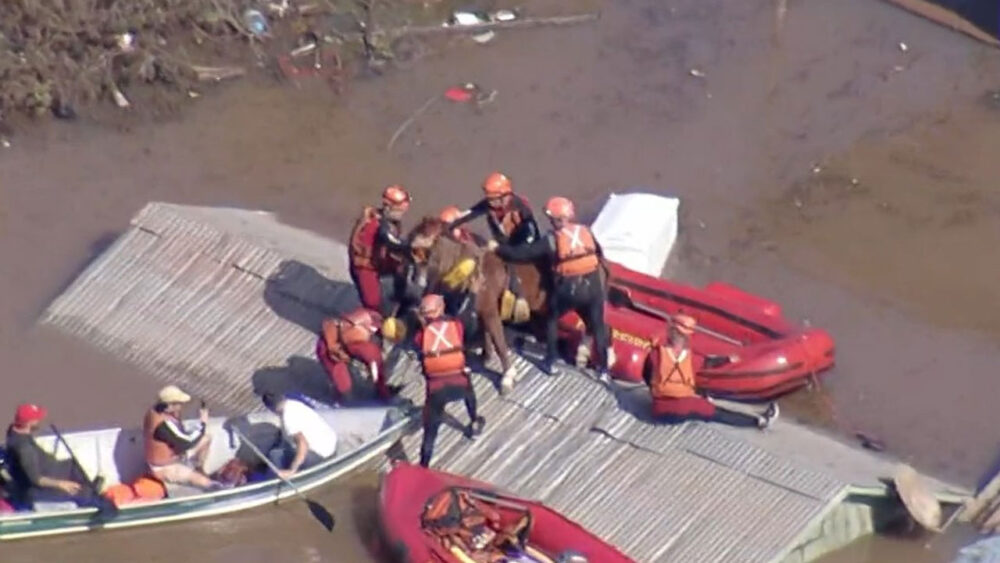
(638, 230)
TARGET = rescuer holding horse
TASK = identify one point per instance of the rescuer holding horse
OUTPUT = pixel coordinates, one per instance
(509, 218)
(440, 342)
(672, 384)
(377, 250)
(577, 284)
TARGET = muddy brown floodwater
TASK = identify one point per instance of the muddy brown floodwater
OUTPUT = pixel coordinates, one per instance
(898, 266)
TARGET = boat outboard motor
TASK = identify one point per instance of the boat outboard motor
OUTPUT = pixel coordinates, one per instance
(570, 556)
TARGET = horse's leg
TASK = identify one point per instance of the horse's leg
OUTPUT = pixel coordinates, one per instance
(488, 308)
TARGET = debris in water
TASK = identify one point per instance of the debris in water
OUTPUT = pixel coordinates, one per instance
(463, 93)
(697, 73)
(797, 202)
(126, 42)
(899, 68)
(855, 181)
(903, 47)
(256, 22)
(5, 143)
(192, 94)
(816, 169)
(870, 442)
(702, 224)
(503, 16)
(119, 98)
(484, 37)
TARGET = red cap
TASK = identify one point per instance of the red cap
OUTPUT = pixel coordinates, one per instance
(28, 412)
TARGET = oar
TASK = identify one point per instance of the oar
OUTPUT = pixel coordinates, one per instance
(318, 510)
(103, 507)
(621, 297)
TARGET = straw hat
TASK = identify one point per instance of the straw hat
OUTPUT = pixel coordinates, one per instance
(173, 394)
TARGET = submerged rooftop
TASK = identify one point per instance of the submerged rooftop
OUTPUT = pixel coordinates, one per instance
(227, 301)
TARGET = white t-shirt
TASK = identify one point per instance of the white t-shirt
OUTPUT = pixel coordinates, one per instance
(298, 417)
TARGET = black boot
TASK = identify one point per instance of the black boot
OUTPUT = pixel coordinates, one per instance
(475, 428)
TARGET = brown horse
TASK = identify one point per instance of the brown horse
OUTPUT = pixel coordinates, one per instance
(437, 254)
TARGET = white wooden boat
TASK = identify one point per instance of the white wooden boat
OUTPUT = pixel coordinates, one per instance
(118, 455)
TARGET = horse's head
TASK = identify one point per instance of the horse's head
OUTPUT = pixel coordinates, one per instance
(424, 236)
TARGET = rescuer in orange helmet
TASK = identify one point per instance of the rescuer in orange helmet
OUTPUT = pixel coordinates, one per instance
(672, 384)
(376, 249)
(576, 260)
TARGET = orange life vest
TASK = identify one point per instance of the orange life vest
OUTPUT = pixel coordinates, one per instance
(362, 252)
(675, 377)
(442, 354)
(157, 452)
(341, 333)
(454, 516)
(576, 251)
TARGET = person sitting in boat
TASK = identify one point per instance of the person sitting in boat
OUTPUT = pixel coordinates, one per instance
(307, 438)
(474, 528)
(174, 454)
(440, 342)
(35, 474)
(672, 384)
(576, 262)
(377, 250)
(351, 337)
(508, 216)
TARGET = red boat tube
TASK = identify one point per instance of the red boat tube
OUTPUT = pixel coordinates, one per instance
(405, 499)
(744, 347)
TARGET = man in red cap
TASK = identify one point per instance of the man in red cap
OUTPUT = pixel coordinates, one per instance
(36, 474)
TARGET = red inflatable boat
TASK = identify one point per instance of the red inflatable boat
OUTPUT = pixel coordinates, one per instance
(744, 348)
(432, 517)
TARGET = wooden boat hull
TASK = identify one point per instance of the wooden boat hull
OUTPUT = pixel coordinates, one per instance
(772, 356)
(406, 488)
(357, 449)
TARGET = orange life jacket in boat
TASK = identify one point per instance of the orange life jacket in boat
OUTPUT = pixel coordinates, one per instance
(157, 452)
(674, 376)
(441, 351)
(576, 251)
(455, 517)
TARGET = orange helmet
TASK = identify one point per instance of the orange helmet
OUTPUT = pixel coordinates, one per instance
(432, 306)
(395, 196)
(560, 208)
(685, 324)
(497, 185)
(449, 214)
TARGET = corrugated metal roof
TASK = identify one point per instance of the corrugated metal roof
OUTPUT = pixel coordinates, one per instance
(207, 297)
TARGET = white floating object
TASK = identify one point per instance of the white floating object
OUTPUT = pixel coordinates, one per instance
(126, 42)
(696, 73)
(5, 143)
(484, 37)
(466, 18)
(903, 47)
(504, 16)
(638, 230)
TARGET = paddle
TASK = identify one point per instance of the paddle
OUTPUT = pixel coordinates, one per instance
(318, 510)
(620, 297)
(103, 506)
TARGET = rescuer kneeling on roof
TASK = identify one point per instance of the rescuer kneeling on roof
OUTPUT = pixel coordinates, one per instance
(672, 384)
(440, 343)
(347, 339)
